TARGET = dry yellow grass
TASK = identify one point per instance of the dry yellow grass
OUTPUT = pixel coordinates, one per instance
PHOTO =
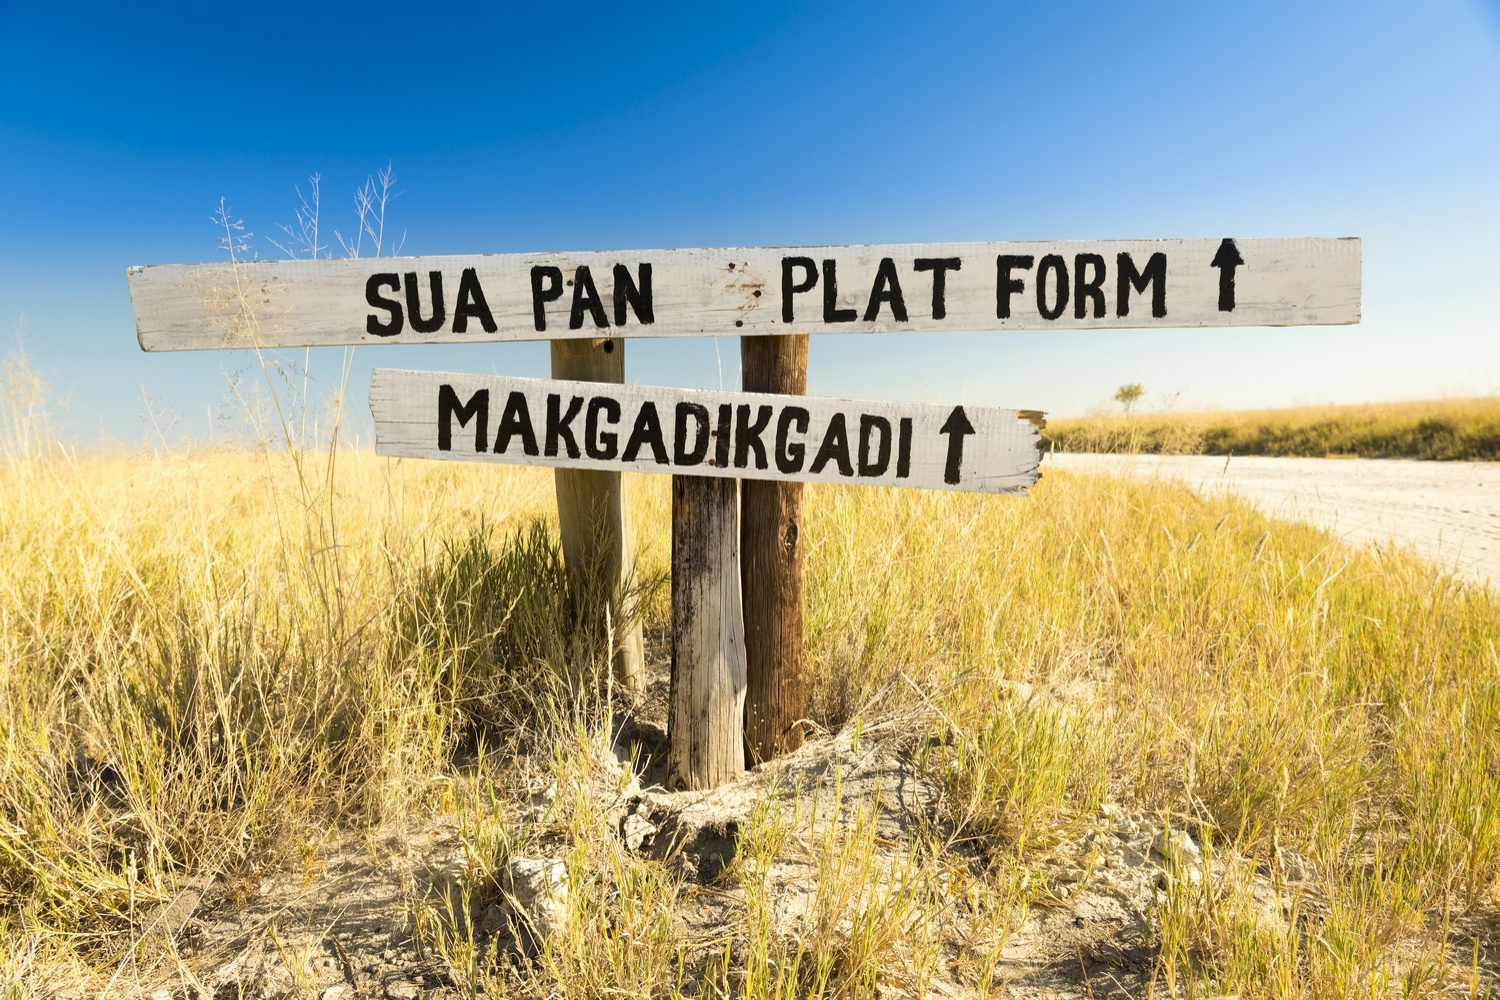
(1447, 429)
(210, 659)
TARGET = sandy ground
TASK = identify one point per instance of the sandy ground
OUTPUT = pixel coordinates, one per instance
(1448, 512)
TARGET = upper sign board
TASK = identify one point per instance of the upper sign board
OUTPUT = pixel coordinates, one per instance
(749, 291)
(738, 435)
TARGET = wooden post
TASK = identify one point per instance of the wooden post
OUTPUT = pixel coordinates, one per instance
(771, 566)
(593, 516)
(706, 720)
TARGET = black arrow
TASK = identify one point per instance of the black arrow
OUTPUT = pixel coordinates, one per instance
(1226, 260)
(956, 426)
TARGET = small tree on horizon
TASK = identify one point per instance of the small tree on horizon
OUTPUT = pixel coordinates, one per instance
(1127, 395)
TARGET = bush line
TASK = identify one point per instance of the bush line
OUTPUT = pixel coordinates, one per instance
(1443, 430)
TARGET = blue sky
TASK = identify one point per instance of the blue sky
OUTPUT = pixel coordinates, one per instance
(622, 126)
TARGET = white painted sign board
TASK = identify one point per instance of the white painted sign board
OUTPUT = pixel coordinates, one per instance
(738, 435)
(749, 291)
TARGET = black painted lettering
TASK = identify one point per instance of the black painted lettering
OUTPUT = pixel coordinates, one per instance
(887, 289)
(747, 435)
(515, 422)
(471, 303)
(635, 293)
(646, 431)
(682, 455)
(903, 448)
(1226, 259)
(1155, 275)
(597, 443)
(869, 427)
(1088, 284)
(831, 312)
(414, 303)
(476, 409)
(558, 420)
(373, 326)
(939, 266)
(546, 286)
(835, 448)
(722, 435)
(955, 428)
(1057, 267)
(585, 299)
(791, 454)
(790, 286)
(1007, 286)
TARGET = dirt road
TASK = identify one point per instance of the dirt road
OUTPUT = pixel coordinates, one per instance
(1447, 511)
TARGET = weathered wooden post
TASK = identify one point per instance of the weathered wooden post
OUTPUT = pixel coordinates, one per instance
(706, 719)
(594, 517)
(771, 569)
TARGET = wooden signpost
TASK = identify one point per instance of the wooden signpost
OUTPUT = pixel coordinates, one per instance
(771, 570)
(703, 432)
(593, 516)
(589, 427)
(754, 292)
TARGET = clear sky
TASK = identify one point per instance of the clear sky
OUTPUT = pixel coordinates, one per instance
(524, 127)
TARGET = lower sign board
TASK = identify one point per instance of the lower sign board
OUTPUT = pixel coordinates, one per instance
(739, 435)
